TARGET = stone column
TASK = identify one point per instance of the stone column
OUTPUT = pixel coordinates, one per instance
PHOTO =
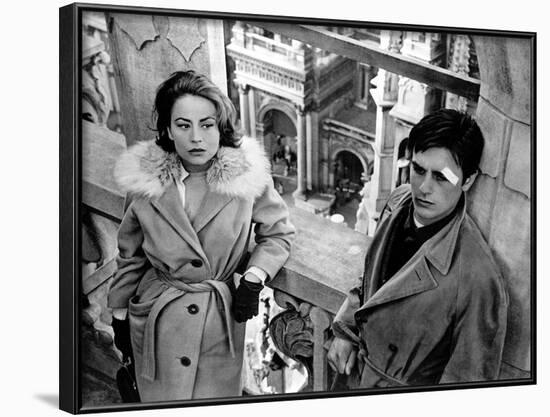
(324, 163)
(260, 134)
(245, 112)
(381, 182)
(297, 50)
(252, 113)
(301, 185)
(309, 151)
(239, 31)
(460, 63)
(385, 97)
(362, 81)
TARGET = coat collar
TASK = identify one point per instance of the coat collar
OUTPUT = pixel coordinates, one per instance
(147, 171)
(415, 276)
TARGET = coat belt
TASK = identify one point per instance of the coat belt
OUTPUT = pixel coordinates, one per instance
(177, 289)
(343, 330)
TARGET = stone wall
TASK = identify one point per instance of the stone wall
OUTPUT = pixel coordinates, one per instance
(500, 202)
(148, 48)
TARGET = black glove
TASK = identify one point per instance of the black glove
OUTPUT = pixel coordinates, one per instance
(122, 337)
(245, 301)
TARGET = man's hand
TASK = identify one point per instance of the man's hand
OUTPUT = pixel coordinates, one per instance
(342, 355)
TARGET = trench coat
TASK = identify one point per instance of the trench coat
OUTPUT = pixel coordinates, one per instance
(173, 274)
(440, 319)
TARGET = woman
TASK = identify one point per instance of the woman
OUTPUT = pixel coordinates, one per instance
(196, 192)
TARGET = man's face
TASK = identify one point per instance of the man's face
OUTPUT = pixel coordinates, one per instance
(436, 184)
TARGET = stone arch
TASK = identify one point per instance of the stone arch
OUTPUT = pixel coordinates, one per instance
(362, 158)
(280, 105)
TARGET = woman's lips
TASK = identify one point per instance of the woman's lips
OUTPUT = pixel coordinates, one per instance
(196, 151)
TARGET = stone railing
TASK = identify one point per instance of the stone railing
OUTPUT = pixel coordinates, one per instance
(326, 260)
(102, 209)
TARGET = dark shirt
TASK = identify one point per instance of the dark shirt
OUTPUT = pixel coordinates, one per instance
(409, 239)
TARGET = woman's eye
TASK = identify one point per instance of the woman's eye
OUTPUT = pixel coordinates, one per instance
(439, 178)
(208, 125)
(184, 126)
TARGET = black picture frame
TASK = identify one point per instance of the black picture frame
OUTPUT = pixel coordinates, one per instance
(71, 203)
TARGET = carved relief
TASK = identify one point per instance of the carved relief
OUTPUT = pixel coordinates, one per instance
(269, 73)
(459, 62)
(292, 333)
(96, 95)
(301, 332)
(182, 33)
(139, 28)
(185, 35)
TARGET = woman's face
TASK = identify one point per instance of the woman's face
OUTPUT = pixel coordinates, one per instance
(194, 130)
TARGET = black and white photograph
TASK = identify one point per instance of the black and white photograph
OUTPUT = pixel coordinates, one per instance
(274, 208)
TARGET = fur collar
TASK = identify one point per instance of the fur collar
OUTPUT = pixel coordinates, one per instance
(146, 170)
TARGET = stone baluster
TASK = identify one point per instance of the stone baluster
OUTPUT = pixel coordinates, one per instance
(385, 97)
(321, 323)
(244, 108)
(301, 332)
(301, 184)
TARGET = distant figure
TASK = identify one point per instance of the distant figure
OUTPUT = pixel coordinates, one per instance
(362, 215)
(284, 153)
(431, 307)
(279, 187)
(403, 163)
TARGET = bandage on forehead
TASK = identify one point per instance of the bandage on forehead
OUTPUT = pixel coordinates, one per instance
(450, 175)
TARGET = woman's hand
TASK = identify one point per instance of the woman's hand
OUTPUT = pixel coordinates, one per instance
(245, 302)
(342, 355)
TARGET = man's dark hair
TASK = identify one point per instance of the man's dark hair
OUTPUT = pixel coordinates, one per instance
(453, 130)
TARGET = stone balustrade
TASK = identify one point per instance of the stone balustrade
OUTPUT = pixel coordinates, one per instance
(326, 261)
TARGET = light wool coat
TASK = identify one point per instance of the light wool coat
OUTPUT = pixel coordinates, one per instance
(440, 319)
(173, 273)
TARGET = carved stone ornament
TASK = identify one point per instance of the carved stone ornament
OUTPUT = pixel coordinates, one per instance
(292, 333)
(139, 28)
(183, 33)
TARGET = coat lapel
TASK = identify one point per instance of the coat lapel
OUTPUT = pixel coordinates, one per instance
(212, 204)
(170, 207)
(415, 276)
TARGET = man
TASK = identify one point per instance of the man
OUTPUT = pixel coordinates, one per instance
(432, 305)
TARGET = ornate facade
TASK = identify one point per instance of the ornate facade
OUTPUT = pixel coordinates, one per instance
(345, 120)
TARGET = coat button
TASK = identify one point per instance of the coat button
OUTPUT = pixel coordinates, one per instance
(185, 361)
(197, 263)
(392, 347)
(193, 309)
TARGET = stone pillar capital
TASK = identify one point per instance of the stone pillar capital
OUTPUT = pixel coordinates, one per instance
(243, 88)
